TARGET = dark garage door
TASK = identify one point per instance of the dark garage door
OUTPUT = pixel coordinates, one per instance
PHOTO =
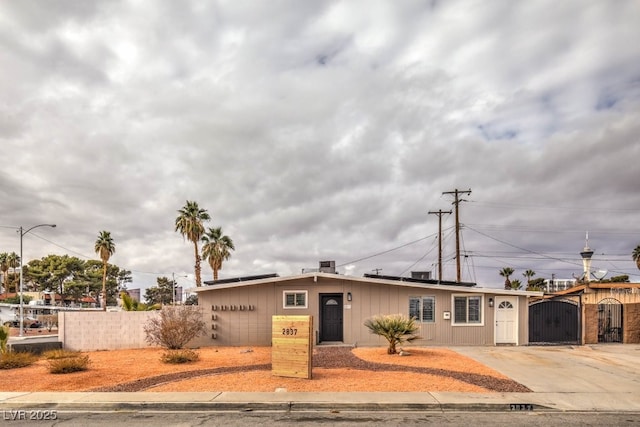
(553, 322)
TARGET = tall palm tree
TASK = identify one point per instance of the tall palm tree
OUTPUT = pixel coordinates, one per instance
(4, 267)
(528, 275)
(105, 248)
(13, 261)
(506, 272)
(636, 256)
(190, 224)
(216, 248)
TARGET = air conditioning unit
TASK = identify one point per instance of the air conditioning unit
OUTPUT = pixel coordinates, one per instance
(327, 266)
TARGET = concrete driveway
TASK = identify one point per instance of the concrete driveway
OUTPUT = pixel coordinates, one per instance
(595, 368)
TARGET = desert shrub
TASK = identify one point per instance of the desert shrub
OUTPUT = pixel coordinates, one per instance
(179, 356)
(395, 328)
(16, 359)
(174, 326)
(67, 365)
(4, 338)
(60, 354)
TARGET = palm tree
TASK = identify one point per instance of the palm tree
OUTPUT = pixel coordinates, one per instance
(105, 248)
(636, 256)
(528, 275)
(216, 249)
(506, 272)
(4, 267)
(515, 284)
(190, 224)
(13, 261)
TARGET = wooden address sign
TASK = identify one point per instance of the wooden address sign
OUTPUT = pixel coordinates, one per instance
(292, 347)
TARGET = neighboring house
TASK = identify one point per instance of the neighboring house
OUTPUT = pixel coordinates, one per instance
(238, 311)
(587, 314)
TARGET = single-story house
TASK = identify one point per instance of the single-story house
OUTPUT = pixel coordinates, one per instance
(588, 313)
(238, 311)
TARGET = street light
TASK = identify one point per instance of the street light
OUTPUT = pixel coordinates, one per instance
(173, 287)
(22, 233)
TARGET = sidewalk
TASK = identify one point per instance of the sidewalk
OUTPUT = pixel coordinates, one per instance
(602, 378)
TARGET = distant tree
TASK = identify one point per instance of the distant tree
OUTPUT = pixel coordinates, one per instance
(528, 274)
(216, 248)
(190, 223)
(161, 294)
(515, 284)
(105, 247)
(623, 278)
(395, 328)
(506, 272)
(124, 277)
(7, 261)
(16, 299)
(192, 300)
(636, 256)
(536, 284)
(175, 326)
(4, 267)
(53, 271)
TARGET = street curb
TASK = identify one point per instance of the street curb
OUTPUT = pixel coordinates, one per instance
(286, 406)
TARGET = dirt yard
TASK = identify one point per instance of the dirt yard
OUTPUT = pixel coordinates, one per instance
(249, 369)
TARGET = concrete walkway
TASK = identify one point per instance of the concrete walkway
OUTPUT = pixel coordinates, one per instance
(603, 378)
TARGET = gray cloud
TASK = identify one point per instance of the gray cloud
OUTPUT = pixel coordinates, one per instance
(324, 130)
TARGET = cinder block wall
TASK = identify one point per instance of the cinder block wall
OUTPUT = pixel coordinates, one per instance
(103, 330)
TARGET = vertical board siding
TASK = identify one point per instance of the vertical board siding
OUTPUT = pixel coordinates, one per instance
(369, 299)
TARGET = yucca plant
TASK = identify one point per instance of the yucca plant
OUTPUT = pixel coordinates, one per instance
(395, 328)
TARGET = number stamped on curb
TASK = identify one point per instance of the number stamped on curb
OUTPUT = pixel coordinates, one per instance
(521, 407)
(30, 414)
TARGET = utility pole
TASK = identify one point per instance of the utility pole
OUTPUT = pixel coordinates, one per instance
(456, 203)
(377, 270)
(439, 213)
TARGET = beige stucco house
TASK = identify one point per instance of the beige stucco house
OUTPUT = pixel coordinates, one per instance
(239, 311)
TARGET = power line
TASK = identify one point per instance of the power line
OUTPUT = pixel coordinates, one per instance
(385, 252)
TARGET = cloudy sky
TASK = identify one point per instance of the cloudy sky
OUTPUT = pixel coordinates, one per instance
(324, 130)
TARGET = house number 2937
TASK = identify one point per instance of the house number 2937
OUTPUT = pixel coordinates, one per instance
(289, 331)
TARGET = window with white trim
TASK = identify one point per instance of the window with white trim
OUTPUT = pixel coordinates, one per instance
(467, 309)
(423, 309)
(294, 299)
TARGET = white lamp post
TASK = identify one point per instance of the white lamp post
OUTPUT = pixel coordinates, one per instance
(22, 233)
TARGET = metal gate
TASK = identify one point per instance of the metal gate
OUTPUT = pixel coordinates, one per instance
(553, 322)
(609, 320)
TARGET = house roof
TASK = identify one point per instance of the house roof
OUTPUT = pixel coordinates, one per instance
(592, 285)
(315, 276)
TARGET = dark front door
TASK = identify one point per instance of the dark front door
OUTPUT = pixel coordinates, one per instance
(331, 317)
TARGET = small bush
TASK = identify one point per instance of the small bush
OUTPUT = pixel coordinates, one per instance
(60, 354)
(175, 326)
(179, 356)
(13, 359)
(69, 364)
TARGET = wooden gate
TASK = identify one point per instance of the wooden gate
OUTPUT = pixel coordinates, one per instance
(553, 322)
